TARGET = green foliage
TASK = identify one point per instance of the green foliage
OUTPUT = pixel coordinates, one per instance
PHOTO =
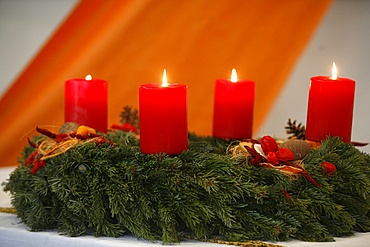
(201, 193)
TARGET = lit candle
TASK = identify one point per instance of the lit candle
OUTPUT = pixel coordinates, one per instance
(330, 107)
(233, 108)
(163, 117)
(86, 102)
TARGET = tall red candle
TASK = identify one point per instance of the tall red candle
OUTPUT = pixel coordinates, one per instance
(330, 107)
(163, 118)
(86, 102)
(233, 108)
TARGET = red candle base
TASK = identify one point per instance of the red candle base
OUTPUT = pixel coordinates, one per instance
(86, 103)
(163, 118)
(330, 108)
(233, 109)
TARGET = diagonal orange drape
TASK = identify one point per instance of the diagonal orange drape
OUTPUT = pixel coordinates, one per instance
(130, 42)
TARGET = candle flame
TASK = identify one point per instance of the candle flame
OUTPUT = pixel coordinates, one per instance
(234, 76)
(88, 77)
(334, 72)
(164, 79)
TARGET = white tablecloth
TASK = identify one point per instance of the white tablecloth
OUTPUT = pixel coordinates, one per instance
(15, 234)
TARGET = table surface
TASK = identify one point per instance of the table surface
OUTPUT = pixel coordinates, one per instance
(16, 234)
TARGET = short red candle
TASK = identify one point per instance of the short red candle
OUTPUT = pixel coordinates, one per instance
(163, 118)
(86, 103)
(233, 109)
(330, 108)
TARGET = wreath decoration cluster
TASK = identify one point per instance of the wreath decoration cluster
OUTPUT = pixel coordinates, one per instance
(82, 182)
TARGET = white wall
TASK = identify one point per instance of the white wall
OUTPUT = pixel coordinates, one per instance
(343, 37)
(24, 26)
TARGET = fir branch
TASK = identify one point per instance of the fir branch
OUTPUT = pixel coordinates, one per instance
(201, 193)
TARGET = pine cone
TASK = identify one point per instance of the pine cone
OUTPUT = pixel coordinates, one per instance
(296, 131)
(130, 116)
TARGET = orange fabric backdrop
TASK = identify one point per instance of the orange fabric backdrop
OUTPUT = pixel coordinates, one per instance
(130, 42)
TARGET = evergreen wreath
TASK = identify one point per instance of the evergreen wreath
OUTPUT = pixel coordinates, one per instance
(234, 191)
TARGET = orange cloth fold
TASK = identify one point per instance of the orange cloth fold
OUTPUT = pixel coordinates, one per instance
(130, 42)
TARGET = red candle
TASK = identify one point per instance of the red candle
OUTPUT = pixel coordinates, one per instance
(86, 102)
(163, 117)
(233, 108)
(330, 107)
